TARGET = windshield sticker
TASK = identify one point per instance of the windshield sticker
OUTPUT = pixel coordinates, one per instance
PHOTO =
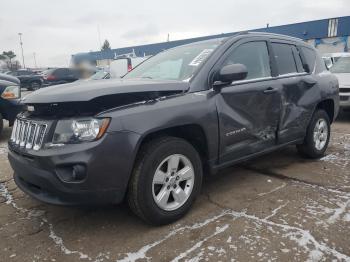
(201, 57)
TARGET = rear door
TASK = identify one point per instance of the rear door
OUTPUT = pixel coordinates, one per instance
(296, 87)
(249, 110)
(119, 67)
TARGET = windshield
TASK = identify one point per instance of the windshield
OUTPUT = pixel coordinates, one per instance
(341, 66)
(175, 64)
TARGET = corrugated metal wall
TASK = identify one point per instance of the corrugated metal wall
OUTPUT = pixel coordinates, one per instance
(307, 30)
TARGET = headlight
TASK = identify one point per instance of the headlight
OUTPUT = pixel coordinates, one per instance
(11, 92)
(79, 130)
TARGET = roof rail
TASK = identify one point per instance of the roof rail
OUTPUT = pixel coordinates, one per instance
(273, 34)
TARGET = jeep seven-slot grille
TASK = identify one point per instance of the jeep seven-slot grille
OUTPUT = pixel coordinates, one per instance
(28, 134)
(344, 90)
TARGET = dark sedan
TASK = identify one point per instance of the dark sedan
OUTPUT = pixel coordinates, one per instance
(29, 79)
(58, 76)
(10, 94)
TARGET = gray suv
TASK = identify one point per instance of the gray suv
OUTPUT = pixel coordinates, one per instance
(187, 112)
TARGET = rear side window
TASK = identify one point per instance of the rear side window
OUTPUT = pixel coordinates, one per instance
(255, 56)
(310, 57)
(285, 59)
(63, 72)
(297, 59)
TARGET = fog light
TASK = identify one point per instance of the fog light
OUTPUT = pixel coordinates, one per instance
(74, 173)
(79, 172)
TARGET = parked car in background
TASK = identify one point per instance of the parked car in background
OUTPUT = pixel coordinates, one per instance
(341, 69)
(29, 79)
(58, 76)
(122, 66)
(117, 69)
(101, 74)
(188, 111)
(10, 94)
(331, 58)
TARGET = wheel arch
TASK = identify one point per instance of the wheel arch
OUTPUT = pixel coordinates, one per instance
(328, 106)
(192, 133)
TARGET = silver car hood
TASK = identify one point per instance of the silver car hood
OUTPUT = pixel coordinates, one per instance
(344, 79)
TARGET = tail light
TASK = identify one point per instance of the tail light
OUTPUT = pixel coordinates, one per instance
(129, 68)
(50, 77)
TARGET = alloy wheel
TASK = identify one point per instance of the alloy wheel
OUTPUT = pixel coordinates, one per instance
(173, 182)
(320, 134)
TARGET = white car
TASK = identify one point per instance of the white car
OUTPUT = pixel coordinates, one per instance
(118, 68)
(122, 66)
(331, 58)
(341, 69)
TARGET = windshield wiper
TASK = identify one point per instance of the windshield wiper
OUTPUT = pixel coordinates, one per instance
(148, 77)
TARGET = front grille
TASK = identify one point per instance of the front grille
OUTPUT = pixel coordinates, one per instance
(344, 90)
(28, 134)
(344, 98)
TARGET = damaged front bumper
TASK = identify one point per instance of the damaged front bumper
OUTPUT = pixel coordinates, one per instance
(88, 173)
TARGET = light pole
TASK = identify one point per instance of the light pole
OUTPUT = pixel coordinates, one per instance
(21, 43)
(34, 60)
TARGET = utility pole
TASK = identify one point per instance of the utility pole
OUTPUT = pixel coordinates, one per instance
(21, 43)
(168, 38)
(35, 60)
(99, 37)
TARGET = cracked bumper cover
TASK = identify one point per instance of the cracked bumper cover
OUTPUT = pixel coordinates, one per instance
(108, 164)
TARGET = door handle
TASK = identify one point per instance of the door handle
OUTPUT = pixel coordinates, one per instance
(270, 90)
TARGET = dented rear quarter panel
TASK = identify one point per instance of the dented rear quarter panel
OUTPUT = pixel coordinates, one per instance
(299, 101)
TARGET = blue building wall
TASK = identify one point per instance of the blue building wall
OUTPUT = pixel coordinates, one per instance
(317, 29)
(344, 26)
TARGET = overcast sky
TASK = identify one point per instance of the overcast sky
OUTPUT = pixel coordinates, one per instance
(55, 30)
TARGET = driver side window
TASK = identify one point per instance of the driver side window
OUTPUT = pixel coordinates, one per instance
(255, 56)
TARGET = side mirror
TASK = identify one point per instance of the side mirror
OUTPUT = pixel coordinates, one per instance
(328, 64)
(230, 73)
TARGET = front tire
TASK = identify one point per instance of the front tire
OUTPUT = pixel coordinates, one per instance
(317, 136)
(166, 179)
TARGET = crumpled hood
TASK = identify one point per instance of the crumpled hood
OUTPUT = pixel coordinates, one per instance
(86, 91)
(344, 79)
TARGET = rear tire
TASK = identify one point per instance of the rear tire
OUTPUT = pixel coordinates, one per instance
(317, 136)
(34, 86)
(158, 192)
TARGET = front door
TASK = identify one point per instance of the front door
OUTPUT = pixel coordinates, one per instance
(249, 110)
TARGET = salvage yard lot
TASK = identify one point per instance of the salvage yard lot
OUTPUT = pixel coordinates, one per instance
(278, 207)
